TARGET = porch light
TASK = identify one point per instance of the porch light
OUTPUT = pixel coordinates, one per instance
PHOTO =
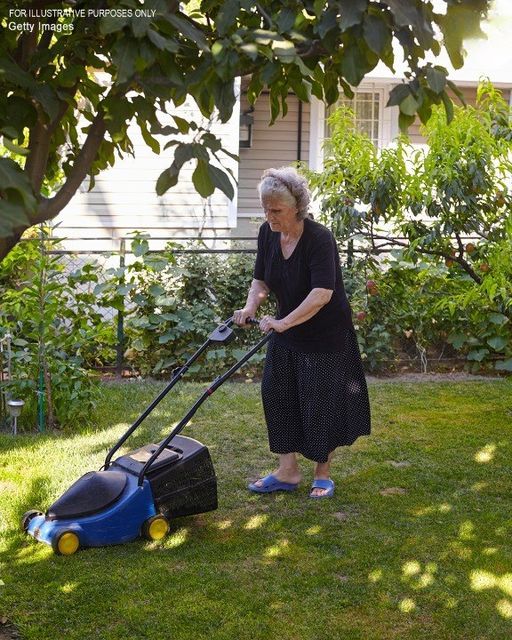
(246, 122)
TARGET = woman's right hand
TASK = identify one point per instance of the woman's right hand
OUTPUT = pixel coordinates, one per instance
(240, 316)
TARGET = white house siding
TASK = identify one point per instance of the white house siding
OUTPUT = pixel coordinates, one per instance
(124, 198)
(272, 146)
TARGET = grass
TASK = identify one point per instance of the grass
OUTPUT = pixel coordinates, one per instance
(415, 544)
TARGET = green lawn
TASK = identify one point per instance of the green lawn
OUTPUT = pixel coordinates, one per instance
(415, 544)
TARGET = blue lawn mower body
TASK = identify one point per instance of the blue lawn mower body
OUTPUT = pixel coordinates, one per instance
(138, 493)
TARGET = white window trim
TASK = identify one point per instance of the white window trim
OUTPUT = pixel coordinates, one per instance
(388, 122)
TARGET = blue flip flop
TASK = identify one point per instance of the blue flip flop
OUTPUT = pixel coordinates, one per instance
(270, 483)
(323, 484)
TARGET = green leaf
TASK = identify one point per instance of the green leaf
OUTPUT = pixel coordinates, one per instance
(187, 29)
(152, 143)
(182, 124)
(226, 17)
(12, 216)
(436, 79)
(202, 180)
(376, 33)
(156, 290)
(318, 7)
(166, 180)
(47, 98)
(124, 53)
(504, 365)
(398, 95)
(140, 246)
(285, 51)
(498, 318)
(448, 106)
(221, 181)
(498, 343)
(405, 121)
(286, 19)
(327, 23)
(164, 44)
(477, 354)
(225, 99)
(12, 177)
(111, 24)
(457, 92)
(184, 152)
(353, 65)
(250, 49)
(15, 148)
(351, 12)
(409, 106)
(405, 13)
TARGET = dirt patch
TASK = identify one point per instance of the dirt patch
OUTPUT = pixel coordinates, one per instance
(8, 631)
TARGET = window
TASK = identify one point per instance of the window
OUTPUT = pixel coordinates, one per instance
(366, 107)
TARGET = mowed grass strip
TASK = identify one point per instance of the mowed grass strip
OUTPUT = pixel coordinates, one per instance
(415, 543)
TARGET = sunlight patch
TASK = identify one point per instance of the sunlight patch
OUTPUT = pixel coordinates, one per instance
(407, 605)
(177, 539)
(479, 486)
(466, 530)
(69, 587)
(276, 550)
(504, 608)
(312, 531)
(411, 568)
(224, 524)
(482, 580)
(505, 583)
(256, 521)
(486, 454)
(375, 575)
(425, 580)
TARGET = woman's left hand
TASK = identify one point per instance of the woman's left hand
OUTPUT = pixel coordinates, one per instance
(267, 323)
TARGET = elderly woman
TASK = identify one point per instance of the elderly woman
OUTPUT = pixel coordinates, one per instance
(313, 389)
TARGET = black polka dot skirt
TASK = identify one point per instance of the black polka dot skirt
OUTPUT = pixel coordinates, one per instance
(314, 402)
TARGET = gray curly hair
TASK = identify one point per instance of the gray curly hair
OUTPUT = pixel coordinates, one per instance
(285, 183)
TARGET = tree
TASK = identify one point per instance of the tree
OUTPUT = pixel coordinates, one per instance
(158, 53)
(450, 203)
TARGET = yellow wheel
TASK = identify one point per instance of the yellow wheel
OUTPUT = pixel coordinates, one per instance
(66, 543)
(155, 528)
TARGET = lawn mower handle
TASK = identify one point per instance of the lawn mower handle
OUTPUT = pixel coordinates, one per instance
(177, 375)
(215, 385)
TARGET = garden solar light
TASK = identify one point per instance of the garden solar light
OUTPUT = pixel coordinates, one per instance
(14, 407)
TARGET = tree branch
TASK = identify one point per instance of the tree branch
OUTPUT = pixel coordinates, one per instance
(53, 206)
(264, 14)
(39, 144)
(442, 254)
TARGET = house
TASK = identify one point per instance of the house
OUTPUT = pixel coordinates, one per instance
(124, 197)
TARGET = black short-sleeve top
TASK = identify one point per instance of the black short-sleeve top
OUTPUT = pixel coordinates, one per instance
(315, 262)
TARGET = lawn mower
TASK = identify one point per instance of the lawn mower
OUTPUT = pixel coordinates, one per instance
(139, 492)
